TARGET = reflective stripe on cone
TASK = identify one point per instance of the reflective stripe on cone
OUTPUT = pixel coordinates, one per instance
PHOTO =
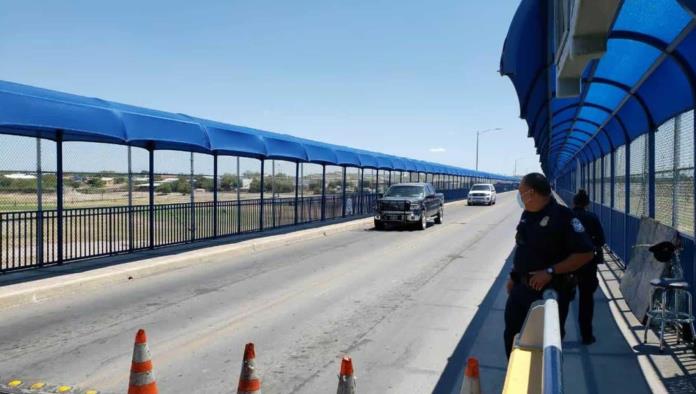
(142, 378)
(249, 383)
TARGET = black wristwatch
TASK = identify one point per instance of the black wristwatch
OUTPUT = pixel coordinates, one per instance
(551, 271)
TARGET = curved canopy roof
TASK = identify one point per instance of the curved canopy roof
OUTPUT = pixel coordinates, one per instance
(646, 77)
(35, 112)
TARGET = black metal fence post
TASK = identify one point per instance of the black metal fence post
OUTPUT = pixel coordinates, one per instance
(377, 182)
(343, 192)
(151, 194)
(297, 189)
(261, 207)
(215, 195)
(323, 192)
(59, 194)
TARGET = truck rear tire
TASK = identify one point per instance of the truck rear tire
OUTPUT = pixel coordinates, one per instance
(440, 215)
(379, 225)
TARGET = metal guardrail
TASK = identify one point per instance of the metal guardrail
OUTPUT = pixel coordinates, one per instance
(536, 361)
(552, 372)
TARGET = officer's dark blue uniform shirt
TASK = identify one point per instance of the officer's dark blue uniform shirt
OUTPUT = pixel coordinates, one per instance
(548, 237)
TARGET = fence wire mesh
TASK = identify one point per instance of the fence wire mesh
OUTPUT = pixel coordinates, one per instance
(638, 205)
(664, 172)
(598, 180)
(606, 180)
(684, 174)
(620, 179)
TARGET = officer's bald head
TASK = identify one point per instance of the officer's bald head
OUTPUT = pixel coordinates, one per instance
(538, 183)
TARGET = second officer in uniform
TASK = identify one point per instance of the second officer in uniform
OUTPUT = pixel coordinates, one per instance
(551, 244)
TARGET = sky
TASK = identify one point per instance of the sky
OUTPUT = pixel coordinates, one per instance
(408, 78)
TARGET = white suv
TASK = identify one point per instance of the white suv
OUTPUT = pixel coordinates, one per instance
(481, 193)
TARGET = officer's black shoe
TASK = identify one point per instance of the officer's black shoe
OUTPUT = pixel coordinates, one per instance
(589, 341)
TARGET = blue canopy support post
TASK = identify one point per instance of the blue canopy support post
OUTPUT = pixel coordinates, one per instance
(59, 194)
(192, 200)
(377, 182)
(131, 224)
(215, 195)
(261, 197)
(273, 195)
(651, 173)
(390, 178)
(239, 203)
(343, 194)
(39, 206)
(627, 199)
(151, 193)
(323, 192)
(361, 194)
(297, 189)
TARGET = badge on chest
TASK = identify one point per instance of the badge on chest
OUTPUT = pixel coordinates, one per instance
(544, 221)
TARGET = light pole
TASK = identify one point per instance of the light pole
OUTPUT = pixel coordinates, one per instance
(479, 132)
(514, 171)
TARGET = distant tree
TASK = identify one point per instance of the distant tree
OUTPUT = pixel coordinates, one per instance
(315, 186)
(164, 188)
(202, 182)
(229, 182)
(182, 185)
(119, 180)
(95, 182)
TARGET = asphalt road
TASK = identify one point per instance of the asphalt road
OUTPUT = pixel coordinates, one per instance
(398, 302)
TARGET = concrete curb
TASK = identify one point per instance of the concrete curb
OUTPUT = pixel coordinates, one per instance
(44, 289)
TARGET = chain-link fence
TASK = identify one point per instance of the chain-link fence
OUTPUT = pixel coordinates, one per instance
(638, 198)
(606, 180)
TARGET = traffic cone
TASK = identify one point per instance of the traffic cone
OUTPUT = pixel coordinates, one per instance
(142, 378)
(249, 383)
(346, 379)
(471, 383)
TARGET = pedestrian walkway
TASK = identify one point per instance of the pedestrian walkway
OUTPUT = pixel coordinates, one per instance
(608, 365)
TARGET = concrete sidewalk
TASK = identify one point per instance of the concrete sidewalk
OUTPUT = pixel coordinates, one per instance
(608, 365)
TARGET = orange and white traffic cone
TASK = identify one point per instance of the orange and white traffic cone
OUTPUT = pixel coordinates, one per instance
(346, 378)
(249, 383)
(471, 383)
(142, 378)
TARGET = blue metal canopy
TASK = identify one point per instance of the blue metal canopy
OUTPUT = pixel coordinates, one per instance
(646, 76)
(35, 112)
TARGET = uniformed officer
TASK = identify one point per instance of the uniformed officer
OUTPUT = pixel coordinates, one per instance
(551, 244)
(587, 274)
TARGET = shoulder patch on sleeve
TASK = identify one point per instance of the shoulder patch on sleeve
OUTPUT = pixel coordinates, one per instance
(577, 226)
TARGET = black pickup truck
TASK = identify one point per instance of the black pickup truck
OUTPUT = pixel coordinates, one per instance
(409, 204)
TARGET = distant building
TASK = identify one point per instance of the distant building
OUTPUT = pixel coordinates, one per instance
(20, 176)
(246, 183)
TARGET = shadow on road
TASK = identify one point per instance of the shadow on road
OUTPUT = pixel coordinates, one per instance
(483, 339)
